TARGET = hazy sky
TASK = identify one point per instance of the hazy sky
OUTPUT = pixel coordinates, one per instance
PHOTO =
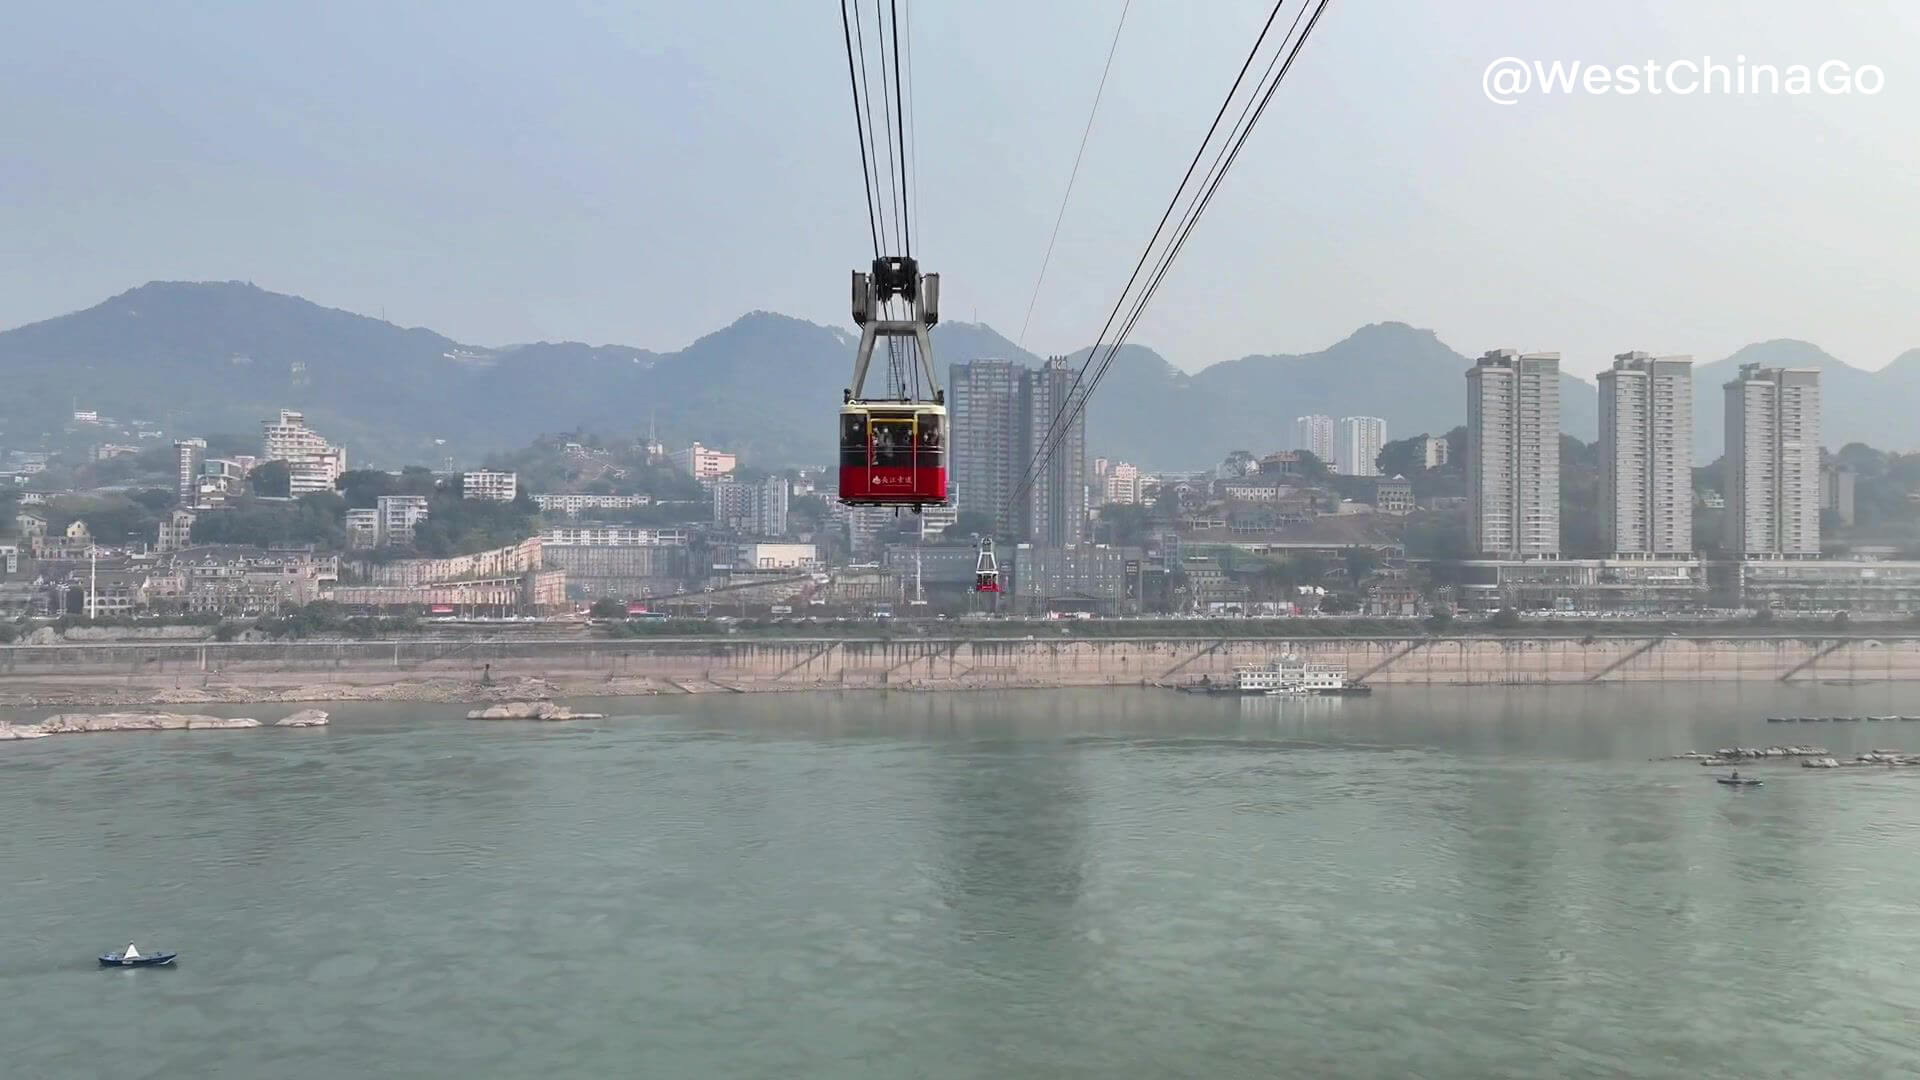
(642, 173)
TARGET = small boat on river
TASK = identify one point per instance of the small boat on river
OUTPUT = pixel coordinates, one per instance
(132, 957)
(1736, 780)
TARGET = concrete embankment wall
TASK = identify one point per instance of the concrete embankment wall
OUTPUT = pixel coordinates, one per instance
(744, 663)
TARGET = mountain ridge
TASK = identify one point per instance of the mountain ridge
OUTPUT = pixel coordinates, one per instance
(220, 356)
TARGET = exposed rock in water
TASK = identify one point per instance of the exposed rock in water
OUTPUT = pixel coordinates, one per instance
(1886, 757)
(304, 718)
(1820, 763)
(76, 723)
(1749, 753)
(530, 710)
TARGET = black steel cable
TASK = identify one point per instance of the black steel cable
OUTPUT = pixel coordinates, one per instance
(900, 115)
(866, 93)
(886, 107)
(1041, 451)
(1198, 208)
(913, 130)
(1073, 174)
(860, 129)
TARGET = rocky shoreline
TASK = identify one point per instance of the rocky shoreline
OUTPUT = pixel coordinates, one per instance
(472, 691)
(85, 723)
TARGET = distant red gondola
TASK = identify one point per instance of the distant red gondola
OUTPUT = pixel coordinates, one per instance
(986, 571)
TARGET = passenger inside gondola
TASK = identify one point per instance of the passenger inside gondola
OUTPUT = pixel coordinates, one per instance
(892, 445)
(853, 440)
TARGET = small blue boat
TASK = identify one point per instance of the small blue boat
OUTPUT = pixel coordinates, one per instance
(132, 957)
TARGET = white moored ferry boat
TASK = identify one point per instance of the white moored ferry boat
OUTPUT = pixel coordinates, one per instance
(1291, 675)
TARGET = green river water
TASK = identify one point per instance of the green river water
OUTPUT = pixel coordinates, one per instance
(1129, 883)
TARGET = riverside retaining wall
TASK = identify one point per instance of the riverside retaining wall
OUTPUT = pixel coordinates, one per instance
(747, 663)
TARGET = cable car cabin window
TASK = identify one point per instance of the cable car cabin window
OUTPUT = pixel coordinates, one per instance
(932, 448)
(893, 444)
(853, 441)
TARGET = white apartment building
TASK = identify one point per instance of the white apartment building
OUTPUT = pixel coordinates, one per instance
(779, 556)
(1316, 434)
(1123, 484)
(1773, 462)
(572, 505)
(936, 519)
(1513, 454)
(189, 456)
(363, 528)
(1646, 455)
(864, 525)
(1434, 452)
(758, 509)
(703, 464)
(614, 536)
(490, 485)
(398, 514)
(1358, 450)
(312, 463)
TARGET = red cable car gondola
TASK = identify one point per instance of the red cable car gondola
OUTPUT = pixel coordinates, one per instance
(893, 451)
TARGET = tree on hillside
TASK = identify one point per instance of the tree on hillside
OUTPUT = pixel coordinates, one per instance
(1866, 462)
(810, 510)
(1709, 531)
(456, 526)
(271, 479)
(1403, 457)
(1710, 477)
(1583, 454)
(1312, 469)
(1166, 505)
(1361, 563)
(1582, 533)
(1438, 534)
(362, 488)
(1123, 524)
(315, 519)
(324, 503)
(110, 519)
(157, 500)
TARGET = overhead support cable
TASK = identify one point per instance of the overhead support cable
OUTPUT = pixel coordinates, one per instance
(1199, 207)
(1074, 400)
(1074, 173)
